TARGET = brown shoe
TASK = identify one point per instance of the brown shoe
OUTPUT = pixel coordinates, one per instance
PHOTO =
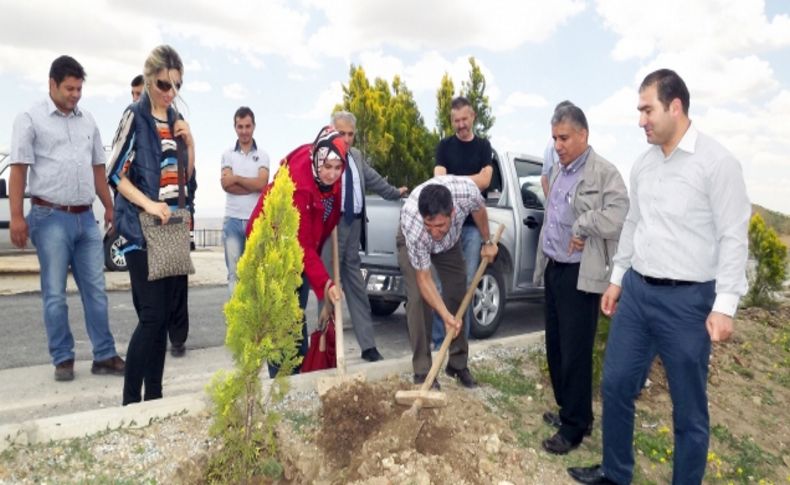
(65, 371)
(112, 366)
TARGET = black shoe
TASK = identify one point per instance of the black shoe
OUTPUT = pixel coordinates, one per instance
(65, 371)
(558, 445)
(178, 350)
(463, 376)
(553, 419)
(420, 379)
(590, 474)
(372, 355)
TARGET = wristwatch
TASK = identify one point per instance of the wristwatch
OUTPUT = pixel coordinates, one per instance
(488, 242)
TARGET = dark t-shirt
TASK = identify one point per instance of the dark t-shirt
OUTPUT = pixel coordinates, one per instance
(464, 158)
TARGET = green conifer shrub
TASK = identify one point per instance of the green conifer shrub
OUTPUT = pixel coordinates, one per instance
(770, 255)
(264, 324)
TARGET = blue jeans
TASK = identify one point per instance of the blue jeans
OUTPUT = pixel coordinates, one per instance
(64, 241)
(670, 321)
(234, 237)
(471, 240)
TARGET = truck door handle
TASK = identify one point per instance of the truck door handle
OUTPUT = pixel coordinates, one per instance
(531, 222)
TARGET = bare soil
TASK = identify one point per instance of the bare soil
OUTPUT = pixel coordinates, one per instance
(492, 434)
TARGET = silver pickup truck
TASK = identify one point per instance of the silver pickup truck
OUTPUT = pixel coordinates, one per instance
(515, 199)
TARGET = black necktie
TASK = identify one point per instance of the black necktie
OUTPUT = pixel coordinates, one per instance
(348, 204)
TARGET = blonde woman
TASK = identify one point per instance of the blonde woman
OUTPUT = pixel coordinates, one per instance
(143, 172)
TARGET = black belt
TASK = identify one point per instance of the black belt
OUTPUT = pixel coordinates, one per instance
(73, 209)
(358, 216)
(663, 281)
(553, 262)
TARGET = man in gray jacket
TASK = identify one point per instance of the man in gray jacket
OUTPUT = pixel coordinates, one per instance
(585, 211)
(359, 177)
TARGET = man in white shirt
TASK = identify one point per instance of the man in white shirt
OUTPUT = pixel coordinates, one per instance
(245, 172)
(679, 272)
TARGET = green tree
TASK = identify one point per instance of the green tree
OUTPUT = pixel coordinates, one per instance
(474, 89)
(444, 99)
(770, 255)
(264, 324)
(391, 132)
(366, 104)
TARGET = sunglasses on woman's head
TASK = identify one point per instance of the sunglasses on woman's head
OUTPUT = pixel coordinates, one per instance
(165, 86)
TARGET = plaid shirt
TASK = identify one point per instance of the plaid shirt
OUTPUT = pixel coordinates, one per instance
(419, 243)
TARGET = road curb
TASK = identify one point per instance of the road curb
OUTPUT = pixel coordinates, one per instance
(85, 423)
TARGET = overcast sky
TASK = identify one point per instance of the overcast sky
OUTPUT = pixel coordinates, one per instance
(287, 61)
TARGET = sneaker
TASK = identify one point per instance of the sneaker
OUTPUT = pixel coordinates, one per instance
(113, 366)
(372, 355)
(65, 370)
(178, 350)
(420, 379)
(463, 376)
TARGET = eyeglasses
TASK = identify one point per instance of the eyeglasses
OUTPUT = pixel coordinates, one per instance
(345, 133)
(165, 86)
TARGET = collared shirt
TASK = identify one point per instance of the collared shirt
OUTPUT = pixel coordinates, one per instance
(688, 218)
(560, 215)
(61, 150)
(246, 165)
(550, 159)
(357, 187)
(419, 243)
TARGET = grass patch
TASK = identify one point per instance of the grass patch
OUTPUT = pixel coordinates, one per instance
(300, 422)
(511, 381)
(743, 462)
(656, 444)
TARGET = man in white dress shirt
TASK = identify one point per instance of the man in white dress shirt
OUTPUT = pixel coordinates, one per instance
(679, 272)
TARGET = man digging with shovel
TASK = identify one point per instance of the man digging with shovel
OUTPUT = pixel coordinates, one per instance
(429, 233)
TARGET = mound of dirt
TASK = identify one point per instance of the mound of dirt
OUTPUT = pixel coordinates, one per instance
(363, 437)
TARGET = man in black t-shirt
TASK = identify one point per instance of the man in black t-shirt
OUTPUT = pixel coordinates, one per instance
(464, 153)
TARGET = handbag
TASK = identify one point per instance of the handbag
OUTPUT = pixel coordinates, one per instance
(321, 352)
(168, 244)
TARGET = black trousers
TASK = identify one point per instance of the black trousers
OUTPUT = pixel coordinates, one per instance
(178, 324)
(155, 302)
(571, 321)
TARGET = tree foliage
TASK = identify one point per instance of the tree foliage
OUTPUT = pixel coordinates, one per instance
(444, 99)
(474, 89)
(391, 132)
(264, 324)
(770, 255)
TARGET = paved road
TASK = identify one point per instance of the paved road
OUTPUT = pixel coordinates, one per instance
(24, 340)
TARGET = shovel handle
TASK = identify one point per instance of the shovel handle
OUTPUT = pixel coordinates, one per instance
(340, 353)
(448, 338)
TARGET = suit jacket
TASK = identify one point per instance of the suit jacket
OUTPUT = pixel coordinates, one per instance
(371, 180)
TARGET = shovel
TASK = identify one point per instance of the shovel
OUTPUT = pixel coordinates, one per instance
(431, 399)
(324, 384)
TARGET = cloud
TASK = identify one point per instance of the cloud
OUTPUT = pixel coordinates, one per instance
(235, 91)
(324, 104)
(416, 25)
(728, 27)
(619, 109)
(198, 87)
(520, 99)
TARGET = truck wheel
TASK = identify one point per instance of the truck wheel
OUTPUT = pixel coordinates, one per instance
(382, 308)
(488, 305)
(114, 260)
